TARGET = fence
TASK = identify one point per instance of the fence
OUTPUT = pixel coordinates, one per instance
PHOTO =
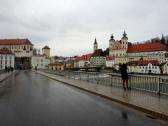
(148, 83)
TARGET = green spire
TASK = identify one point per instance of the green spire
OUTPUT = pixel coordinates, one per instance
(112, 37)
(95, 42)
(163, 39)
(124, 34)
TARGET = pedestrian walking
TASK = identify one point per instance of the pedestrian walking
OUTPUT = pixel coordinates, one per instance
(124, 76)
(6, 69)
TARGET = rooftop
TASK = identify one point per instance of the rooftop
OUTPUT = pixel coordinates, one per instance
(84, 57)
(147, 47)
(15, 42)
(46, 47)
(143, 62)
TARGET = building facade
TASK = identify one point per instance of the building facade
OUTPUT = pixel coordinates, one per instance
(84, 60)
(6, 58)
(118, 48)
(148, 51)
(56, 66)
(144, 66)
(109, 62)
(22, 49)
(46, 51)
(98, 58)
(40, 61)
(125, 51)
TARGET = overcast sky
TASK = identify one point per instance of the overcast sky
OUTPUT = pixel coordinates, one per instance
(69, 27)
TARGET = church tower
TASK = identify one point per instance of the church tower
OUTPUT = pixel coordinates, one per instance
(111, 42)
(46, 51)
(95, 45)
(124, 41)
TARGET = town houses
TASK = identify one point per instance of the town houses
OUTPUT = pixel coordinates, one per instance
(146, 57)
(141, 57)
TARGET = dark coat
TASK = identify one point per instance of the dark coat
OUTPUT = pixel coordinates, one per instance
(124, 74)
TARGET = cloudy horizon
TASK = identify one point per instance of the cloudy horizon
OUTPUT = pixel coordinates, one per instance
(69, 27)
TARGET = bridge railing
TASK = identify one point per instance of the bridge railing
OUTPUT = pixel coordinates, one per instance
(139, 82)
(148, 83)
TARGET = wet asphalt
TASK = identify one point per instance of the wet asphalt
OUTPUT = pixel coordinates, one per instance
(30, 99)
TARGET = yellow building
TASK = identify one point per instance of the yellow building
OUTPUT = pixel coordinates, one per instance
(120, 60)
(56, 66)
(46, 51)
(52, 59)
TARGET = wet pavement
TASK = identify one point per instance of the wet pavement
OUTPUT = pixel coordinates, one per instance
(148, 102)
(31, 99)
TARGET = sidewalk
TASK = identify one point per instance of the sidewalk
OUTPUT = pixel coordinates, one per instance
(4, 76)
(149, 103)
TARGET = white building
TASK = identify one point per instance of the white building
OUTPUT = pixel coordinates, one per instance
(22, 48)
(148, 51)
(6, 58)
(83, 61)
(109, 62)
(118, 48)
(144, 66)
(124, 51)
(40, 61)
(98, 58)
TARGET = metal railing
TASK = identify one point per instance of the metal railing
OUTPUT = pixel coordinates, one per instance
(148, 83)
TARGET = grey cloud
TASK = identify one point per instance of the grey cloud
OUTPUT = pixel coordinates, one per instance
(63, 23)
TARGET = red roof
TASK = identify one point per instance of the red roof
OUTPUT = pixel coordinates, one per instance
(147, 47)
(77, 59)
(5, 51)
(85, 57)
(15, 42)
(143, 62)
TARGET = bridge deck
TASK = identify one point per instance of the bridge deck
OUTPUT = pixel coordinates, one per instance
(145, 101)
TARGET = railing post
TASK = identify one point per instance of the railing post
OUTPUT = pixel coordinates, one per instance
(80, 75)
(158, 86)
(129, 82)
(111, 79)
(74, 75)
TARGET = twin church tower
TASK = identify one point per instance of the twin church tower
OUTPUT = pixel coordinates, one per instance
(116, 47)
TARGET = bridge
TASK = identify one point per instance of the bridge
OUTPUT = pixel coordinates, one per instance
(91, 68)
(38, 98)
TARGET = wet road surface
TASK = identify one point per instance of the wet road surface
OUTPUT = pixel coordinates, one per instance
(31, 99)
